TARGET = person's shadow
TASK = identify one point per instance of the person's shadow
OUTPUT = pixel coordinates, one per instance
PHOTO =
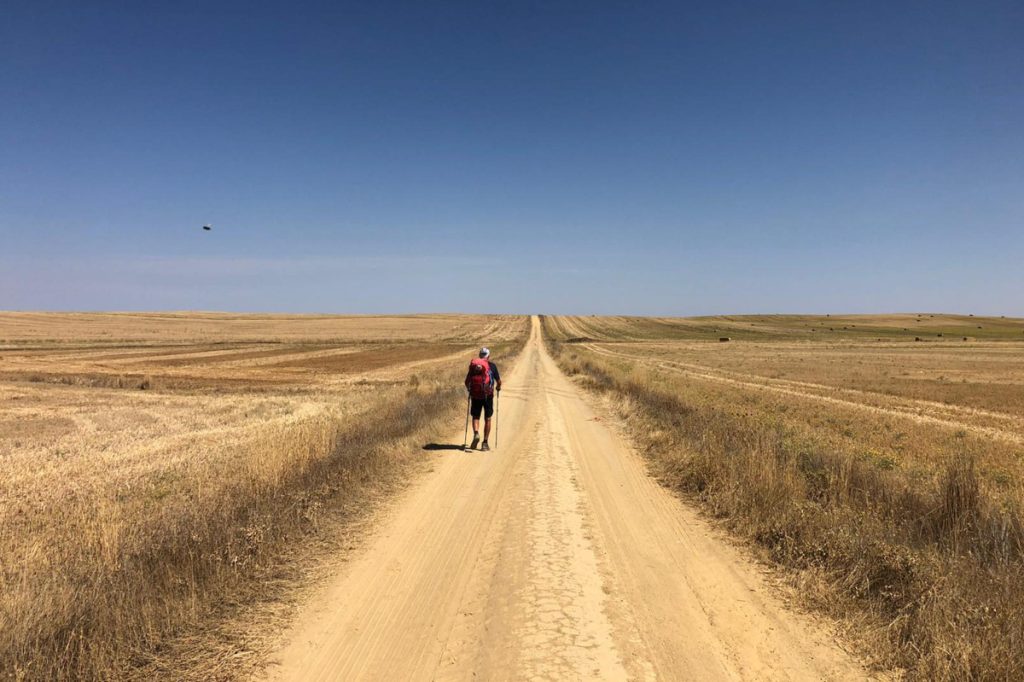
(443, 446)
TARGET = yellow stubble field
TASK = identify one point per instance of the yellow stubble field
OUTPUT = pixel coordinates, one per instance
(880, 458)
(148, 458)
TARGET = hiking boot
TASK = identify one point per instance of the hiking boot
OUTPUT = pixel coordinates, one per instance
(476, 439)
(485, 447)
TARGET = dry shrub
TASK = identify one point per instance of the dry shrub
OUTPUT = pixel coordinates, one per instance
(937, 565)
(132, 572)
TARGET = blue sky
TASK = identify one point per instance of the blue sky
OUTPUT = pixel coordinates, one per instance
(561, 157)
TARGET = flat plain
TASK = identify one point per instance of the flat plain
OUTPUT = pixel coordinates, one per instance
(148, 459)
(879, 457)
(160, 469)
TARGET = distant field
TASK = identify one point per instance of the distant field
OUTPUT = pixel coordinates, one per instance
(151, 461)
(190, 328)
(947, 385)
(223, 353)
(882, 454)
(838, 328)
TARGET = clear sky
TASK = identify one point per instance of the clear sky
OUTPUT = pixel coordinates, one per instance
(561, 157)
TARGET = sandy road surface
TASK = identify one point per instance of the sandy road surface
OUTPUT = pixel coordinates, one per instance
(553, 556)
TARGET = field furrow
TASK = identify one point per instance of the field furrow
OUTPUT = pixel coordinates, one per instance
(949, 416)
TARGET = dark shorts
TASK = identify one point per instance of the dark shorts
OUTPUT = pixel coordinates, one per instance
(485, 404)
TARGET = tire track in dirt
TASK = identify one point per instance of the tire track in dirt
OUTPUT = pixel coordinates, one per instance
(944, 409)
(918, 411)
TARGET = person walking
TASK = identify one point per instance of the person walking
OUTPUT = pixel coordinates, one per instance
(482, 381)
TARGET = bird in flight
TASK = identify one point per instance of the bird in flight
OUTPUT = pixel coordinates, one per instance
(207, 227)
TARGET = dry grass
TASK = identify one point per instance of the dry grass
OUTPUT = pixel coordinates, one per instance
(899, 512)
(107, 329)
(901, 328)
(130, 517)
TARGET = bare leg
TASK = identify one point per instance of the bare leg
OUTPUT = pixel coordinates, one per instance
(487, 428)
(476, 427)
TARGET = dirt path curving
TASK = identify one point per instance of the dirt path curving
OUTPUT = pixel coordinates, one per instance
(556, 557)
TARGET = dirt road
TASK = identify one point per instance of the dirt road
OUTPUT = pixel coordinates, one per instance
(553, 556)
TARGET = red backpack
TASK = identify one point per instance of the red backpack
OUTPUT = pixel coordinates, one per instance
(479, 381)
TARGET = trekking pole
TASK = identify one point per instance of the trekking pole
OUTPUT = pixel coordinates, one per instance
(497, 401)
(465, 434)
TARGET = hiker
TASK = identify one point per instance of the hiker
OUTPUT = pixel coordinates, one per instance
(482, 380)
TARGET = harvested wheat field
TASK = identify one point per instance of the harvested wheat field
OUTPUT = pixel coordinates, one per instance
(661, 504)
(156, 465)
(878, 460)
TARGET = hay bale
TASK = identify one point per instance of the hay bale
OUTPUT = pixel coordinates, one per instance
(723, 339)
(917, 338)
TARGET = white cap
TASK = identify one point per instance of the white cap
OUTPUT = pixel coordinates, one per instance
(485, 352)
